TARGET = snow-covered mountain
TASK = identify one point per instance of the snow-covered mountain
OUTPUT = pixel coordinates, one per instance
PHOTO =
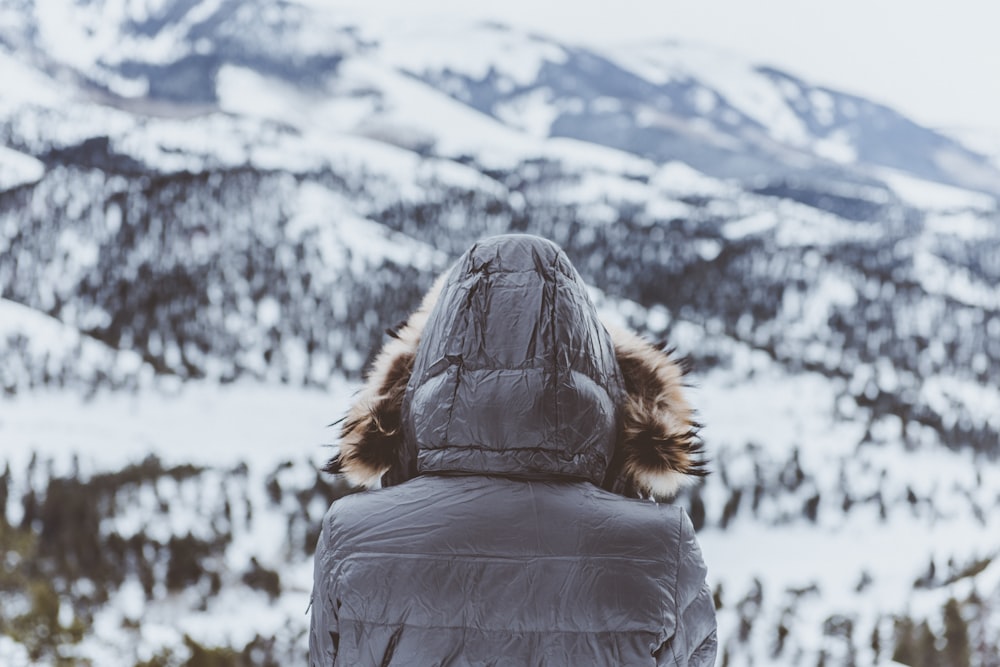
(303, 68)
(210, 211)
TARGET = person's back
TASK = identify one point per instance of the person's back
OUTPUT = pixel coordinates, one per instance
(493, 544)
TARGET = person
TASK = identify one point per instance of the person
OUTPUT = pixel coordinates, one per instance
(518, 443)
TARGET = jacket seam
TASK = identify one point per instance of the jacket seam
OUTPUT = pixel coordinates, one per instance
(553, 286)
(505, 630)
(484, 448)
(677, 590)
(486, 557)
(454, 398)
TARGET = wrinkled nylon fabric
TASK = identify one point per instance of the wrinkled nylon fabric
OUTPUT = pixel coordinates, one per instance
(549, 573)
(515, 373)
(496, 548)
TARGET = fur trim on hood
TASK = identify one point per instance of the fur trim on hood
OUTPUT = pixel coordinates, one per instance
(657, 451)
(658, 445)
(371, 434)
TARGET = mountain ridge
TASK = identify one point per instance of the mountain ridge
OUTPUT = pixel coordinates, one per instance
(663, 101)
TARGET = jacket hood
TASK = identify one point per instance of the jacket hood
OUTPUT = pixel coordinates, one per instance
(506, 369)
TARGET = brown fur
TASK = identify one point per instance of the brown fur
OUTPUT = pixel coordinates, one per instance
(371, 437)
(658, 445)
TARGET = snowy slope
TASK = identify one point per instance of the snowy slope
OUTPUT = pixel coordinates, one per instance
(982, 140)
(39, 350)
(243, 440)
(17, 169)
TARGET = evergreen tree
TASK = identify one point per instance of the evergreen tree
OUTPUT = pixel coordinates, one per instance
(4, 492)
(697, 510)
(811, 508)
(905, 651)
(876, 642)
(749, 609)
(927, 651)
(956, 634)
(731, 507)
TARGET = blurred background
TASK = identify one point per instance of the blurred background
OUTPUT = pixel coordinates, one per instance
(210, 211)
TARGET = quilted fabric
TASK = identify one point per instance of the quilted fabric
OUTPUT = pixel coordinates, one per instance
(495, 545)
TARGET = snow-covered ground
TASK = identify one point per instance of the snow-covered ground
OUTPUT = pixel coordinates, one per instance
(275, 431)
(817, 568)
(193, 423)
(17, 168)
(860, 563)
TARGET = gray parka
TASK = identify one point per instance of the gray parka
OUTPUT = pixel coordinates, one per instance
(518, 442)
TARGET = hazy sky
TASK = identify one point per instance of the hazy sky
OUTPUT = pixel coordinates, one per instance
(937, 61)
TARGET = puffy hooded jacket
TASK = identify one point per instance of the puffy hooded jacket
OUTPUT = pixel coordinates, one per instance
(518, 445)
